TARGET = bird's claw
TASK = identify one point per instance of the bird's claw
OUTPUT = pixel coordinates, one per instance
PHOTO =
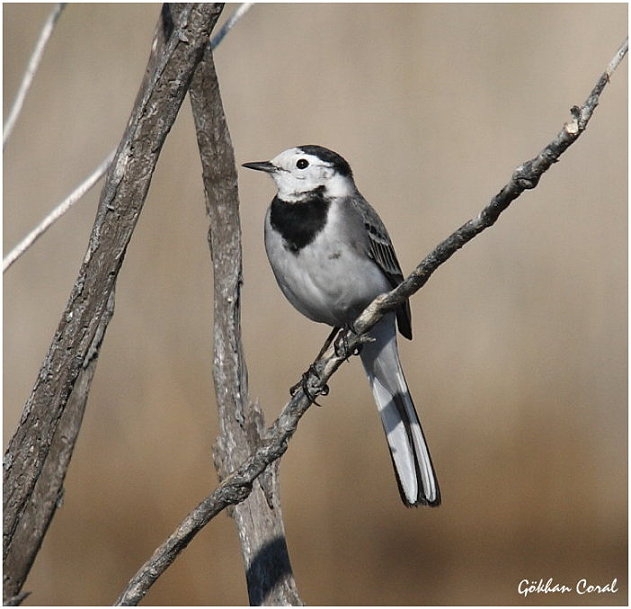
(342, 348)
(304, 385)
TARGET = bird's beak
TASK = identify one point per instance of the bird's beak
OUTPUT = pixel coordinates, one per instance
(265, 166)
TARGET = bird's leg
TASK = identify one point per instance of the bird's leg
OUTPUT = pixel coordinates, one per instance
(342, 347)
(327, 342)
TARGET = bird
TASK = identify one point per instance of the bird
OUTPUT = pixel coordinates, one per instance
(331, 256)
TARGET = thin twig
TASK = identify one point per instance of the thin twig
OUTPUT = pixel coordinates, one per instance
(229, 24)
(236, 487)
(618, 57)
(33, 64)
(57, 212)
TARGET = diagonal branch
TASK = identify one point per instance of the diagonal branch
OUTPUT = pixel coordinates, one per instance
(236, 16)
(238, 485)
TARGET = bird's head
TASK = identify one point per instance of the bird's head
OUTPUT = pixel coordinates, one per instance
(300, 171)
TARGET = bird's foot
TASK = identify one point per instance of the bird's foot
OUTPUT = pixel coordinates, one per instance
(342, 346)
(307, 390)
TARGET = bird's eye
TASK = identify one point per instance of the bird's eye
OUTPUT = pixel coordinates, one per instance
(302, 164)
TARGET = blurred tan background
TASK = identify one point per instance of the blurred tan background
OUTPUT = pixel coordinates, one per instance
(519, 363)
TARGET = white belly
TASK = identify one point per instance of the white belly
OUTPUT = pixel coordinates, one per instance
(329, 281)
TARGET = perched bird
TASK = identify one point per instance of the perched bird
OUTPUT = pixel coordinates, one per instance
(331, 255)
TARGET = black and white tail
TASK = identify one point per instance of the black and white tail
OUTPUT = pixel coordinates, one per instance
(412, 462)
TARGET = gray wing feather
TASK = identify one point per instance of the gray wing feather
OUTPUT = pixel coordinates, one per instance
(382, 252)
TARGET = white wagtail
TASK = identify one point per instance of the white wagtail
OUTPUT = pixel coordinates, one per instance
(331, 255)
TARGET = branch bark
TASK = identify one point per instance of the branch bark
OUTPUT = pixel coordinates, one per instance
(39, 452)
(238, 485)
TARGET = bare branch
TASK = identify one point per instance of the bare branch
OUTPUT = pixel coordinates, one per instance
(275, 440)
(64, 378)
(33, 64)
(613, 65)
(57, 212)
(16, 600)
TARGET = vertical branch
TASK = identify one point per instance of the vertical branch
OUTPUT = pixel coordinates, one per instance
(259, 518)
(38, 454)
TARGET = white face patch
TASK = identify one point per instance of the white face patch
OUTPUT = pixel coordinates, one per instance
(299, 173)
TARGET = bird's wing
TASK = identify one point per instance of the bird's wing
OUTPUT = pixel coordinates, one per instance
(381, 250)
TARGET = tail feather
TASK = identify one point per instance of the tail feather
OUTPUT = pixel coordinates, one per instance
(410, 455)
